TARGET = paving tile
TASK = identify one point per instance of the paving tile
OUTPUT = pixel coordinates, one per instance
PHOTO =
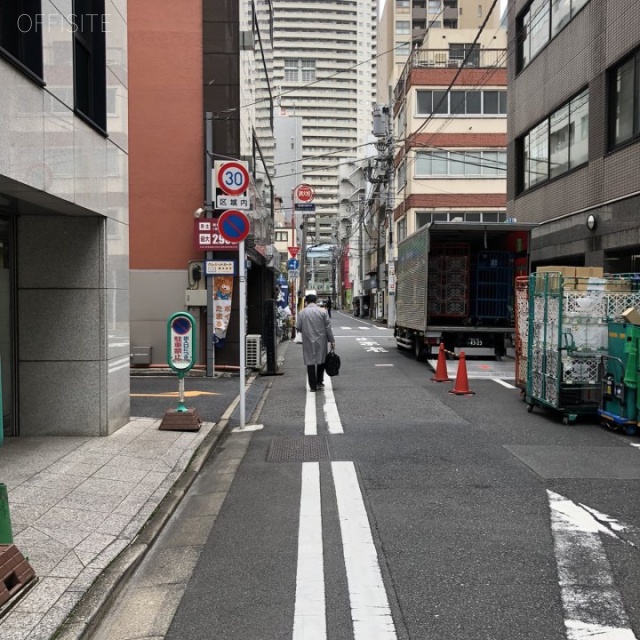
(64, 517)
(47, 479)
(85, 579)
(114, 524)
(89, 502)
(83, 469)
(37, 496)
(43, 552)
(18, 626)
(44, 595)
(103, 487)
(69, 537)
(127, 462)
(122, 473)
(104, 559)
(95, 542)
(68, 567)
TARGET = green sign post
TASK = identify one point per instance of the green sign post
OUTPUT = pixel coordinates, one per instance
(6, 534)
(181, 348)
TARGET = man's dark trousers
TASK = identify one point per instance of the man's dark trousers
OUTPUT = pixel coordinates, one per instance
(315, 373)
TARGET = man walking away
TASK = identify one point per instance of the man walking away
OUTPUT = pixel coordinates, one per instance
(329, 306)
(314, 325)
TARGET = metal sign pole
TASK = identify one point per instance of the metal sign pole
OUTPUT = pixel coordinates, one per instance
(242, 270)
(211, 354)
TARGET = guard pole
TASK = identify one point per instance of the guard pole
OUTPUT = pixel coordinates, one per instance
(242, 269)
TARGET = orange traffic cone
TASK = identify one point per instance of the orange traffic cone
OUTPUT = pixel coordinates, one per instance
(441, 368)
(461, 387)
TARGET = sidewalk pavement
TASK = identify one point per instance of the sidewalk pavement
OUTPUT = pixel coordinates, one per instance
(84, 510)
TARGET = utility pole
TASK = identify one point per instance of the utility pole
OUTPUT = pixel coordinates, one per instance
(208, 206)
(303, 261)
(361, 254)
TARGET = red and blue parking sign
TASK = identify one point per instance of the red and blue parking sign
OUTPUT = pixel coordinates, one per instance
(233, 225)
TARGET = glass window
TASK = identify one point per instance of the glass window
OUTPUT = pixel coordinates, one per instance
(403, 27)
(403, 49)
(539, 25)
(457, 102)
(490, 216)
(490, 163)
(89, 69)
(440, 217)
(525, 39)
(440, 102)
(440, 163)
(424, 99)
(560, 15)
(401, 229)
(624, 102)
(539, 153)
(290, 70)
(422, 219)
(308, 71)
(457, 163)
(503, 102)
(491, 102)
(579, 132)
(21, 23)
(402, 4)
(559, 142)
(474, 102)
(473, 216)
(423, 164)
(576, 5)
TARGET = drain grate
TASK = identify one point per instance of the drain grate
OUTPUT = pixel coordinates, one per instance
(300, 449)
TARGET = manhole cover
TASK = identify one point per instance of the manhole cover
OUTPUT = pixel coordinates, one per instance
(300, 449)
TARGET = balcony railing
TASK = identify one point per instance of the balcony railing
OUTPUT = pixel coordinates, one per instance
(452, 59)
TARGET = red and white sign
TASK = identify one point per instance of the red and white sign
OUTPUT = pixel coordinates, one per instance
(304, 193)
(233, 225)
(209, 238)
(294, 251)
(233, 177)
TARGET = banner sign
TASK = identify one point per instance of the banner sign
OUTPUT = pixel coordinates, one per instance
(222, 293)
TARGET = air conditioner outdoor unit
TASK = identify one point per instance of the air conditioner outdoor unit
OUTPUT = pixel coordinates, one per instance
(253, 353)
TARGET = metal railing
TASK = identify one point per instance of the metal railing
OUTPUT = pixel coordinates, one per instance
(449, 59)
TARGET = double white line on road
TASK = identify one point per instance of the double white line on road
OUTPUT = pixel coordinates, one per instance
(370, 611)
(331, 415)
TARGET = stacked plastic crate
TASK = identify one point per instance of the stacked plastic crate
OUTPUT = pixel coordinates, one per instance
(449, 266)
(493, 291)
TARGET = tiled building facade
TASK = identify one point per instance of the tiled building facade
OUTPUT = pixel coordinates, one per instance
(573, 130)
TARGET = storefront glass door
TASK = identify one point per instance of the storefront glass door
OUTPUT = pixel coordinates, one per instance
(7, 326)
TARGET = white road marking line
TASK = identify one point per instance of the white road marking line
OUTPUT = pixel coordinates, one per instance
(370, 610)
(309, 618)
(384, 365)
(586, 581)
(503, 383)
(346, 328)
(310, 420)
(331, 415)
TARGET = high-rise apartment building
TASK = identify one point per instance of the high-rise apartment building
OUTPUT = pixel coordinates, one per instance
(324, 73)
(574, 130)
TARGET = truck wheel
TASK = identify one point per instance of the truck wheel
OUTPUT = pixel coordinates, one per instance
(419, 349)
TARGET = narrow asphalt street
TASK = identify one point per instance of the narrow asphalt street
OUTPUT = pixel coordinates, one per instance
(387, 508)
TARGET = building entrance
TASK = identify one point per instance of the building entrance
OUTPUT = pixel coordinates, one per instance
(7, 326)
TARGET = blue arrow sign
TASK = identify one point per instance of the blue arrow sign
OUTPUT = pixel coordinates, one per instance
(293, 264)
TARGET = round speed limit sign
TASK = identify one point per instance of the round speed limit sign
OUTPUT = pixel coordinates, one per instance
(233, 178)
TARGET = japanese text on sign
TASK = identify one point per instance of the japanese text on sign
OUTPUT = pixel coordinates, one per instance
(208, 237)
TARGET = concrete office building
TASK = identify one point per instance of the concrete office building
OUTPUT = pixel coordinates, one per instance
(324, 70)
(64, 220)
(574, 130)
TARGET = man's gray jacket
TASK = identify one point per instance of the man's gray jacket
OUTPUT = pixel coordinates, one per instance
(315, 326)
